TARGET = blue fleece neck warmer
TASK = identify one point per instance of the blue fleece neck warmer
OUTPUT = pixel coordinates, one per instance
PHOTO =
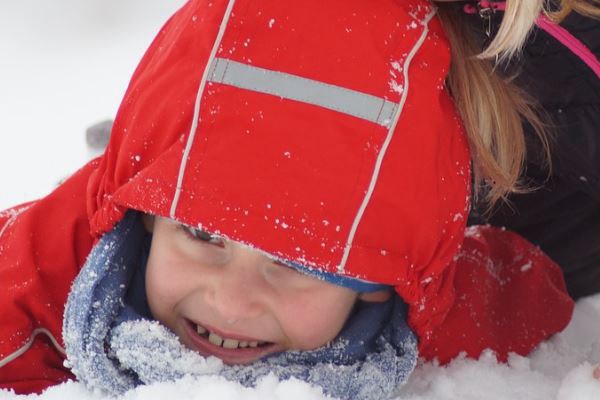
(113, 344)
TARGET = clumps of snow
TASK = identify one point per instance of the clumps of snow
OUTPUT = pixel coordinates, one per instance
(467, 379)
(188, 388)
(271, 23)
(393, 83)
(560, 369)
(396, 87)
(457, 217)
(472, 231)
(526, 267)
(136, 345)
(578, 385)
(13, 214)
(206, 388)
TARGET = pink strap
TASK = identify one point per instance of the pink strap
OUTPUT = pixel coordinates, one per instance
(555, 30)
(565, 37)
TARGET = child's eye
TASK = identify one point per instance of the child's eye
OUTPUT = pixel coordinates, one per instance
(286, 266)
(203, 236)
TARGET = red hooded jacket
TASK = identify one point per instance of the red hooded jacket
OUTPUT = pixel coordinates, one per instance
(321, 133)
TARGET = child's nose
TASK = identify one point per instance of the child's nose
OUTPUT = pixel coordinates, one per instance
(237, 291)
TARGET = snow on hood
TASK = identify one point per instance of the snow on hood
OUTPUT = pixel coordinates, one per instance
(289, 170)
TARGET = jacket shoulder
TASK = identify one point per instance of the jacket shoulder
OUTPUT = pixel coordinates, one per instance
(42, 247)
(509, 298)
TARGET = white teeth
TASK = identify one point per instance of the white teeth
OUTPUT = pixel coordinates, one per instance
(215, 339)
(226, 343)
(230, 344)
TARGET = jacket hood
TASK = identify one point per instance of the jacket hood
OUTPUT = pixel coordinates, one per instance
(319, 132)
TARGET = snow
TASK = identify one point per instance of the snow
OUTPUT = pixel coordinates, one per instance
(65, 66)
(199, 389)
(561, 368)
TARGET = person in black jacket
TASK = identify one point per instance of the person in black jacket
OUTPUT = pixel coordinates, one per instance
(563, 215)
(560, 210)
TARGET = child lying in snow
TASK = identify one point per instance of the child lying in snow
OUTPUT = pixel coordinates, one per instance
(286, 188)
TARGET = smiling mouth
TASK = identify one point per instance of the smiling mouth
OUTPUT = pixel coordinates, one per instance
(231, 350)
(227, 343)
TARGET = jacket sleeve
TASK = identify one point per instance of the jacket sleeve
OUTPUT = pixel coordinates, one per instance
(38, 368)
(42, 247)
(509, 297)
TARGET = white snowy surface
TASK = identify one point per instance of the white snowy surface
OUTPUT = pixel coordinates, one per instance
(65, 65)
(559, 369)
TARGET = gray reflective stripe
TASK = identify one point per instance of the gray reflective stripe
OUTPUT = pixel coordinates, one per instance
(27, 345)
(292, 87)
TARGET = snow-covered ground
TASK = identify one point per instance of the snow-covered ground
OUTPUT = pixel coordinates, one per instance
(64, 66)
(559, 369)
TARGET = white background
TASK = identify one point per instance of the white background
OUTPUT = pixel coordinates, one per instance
(64, 65)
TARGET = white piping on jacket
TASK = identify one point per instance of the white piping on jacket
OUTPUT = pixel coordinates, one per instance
(29, 343)
(14, 214)
(386, 143)
(196, 117)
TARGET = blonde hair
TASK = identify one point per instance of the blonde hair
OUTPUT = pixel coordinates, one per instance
(492, 107)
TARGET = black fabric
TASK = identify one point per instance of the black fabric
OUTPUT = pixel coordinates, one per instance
(136, 292)
(563, 215)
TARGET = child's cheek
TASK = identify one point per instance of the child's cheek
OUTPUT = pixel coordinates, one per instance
(160, 290)
(313, 329)
(154, 296)
(315, 334)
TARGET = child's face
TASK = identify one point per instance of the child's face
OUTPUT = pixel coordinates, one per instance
(224, 299)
